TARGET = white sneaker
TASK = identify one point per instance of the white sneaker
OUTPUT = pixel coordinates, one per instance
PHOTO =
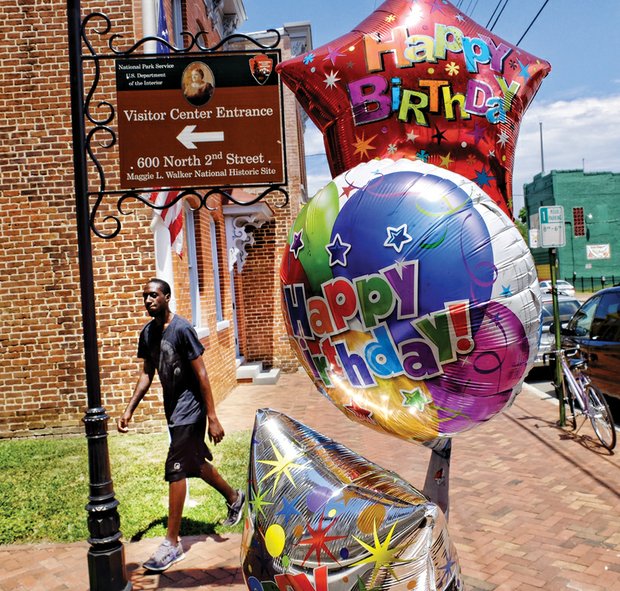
(166, 555)
(235, 511)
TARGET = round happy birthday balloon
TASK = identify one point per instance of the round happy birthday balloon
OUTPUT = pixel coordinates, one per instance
(420, 79)
(411, 299)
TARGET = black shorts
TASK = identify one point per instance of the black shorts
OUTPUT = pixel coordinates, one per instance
(188, 451)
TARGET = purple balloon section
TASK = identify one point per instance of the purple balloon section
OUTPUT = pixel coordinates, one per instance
(481, 383)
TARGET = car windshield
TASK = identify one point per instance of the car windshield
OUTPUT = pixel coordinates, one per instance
(567, 309)
(560, 284)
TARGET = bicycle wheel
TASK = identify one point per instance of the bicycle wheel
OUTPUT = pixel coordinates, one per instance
(600, 417)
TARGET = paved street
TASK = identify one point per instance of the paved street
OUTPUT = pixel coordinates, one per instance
(532, 506)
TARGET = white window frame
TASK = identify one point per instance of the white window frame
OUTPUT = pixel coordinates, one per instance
(177, 23)
(219, 313)
(192, 266)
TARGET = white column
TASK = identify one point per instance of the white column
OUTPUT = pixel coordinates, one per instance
(161, 236)
(163, 255)
(149, 24)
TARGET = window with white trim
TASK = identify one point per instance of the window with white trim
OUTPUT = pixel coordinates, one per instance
(192, 265)
(177, 23)
(216, 271)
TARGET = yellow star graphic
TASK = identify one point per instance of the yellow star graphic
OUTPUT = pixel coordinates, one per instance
(282, 465)
(446, 161)
(362, 145)
(381, 554)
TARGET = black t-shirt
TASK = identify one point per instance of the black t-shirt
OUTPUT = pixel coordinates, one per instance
(171, 353)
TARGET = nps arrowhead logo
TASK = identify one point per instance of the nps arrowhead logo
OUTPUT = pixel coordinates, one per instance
(261, 67)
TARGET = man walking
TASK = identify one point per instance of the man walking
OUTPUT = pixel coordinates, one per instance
(170, 344)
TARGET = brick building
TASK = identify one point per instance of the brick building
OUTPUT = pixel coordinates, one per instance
(591, 202)
(227, 281)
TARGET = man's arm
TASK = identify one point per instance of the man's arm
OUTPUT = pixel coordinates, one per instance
(216, 431)
(142, 387)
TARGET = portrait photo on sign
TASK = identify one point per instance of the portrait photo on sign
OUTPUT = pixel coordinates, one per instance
(197, 83)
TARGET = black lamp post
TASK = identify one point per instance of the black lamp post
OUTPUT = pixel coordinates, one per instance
(106, 561)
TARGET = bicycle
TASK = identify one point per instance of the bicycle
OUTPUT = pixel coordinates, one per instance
(584, 398)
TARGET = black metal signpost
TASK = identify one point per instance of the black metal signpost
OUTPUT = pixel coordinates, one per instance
(106, 563)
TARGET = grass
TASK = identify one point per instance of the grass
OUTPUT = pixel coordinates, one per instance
(44, 487)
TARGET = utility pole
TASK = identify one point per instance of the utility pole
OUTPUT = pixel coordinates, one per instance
(542, 152)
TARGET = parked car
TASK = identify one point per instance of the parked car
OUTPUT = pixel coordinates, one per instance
(563, 287)
(567, 308)
(595, 328)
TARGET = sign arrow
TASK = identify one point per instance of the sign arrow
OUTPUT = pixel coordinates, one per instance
(188, 136)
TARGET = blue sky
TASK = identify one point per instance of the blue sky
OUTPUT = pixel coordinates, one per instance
(578, 103)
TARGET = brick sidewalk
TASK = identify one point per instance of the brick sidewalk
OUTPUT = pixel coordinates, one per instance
(532, 506)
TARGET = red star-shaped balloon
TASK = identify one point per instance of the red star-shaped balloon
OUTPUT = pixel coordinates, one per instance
(419, 79)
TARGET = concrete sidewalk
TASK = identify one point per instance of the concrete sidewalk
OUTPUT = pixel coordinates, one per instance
(532, 506)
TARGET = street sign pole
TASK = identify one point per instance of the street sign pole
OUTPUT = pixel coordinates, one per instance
(106, 560)
(559, 376)
(552, 236)
(266, 170)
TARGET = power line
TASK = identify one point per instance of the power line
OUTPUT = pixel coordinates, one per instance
(500, 14)
(471, 14)
(533, 21)
(492, 15)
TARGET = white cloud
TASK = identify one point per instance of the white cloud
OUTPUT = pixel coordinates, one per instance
(317, 172)
(580, 133)
(317, 167)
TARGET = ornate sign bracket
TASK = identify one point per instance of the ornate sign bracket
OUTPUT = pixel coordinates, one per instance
(100, 133)
(241, 221)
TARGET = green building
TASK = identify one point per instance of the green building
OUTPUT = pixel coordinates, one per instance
(591, 202)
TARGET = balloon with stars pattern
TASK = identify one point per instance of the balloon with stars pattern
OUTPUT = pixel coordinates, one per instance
(417, 78)
(416, 308)
(322, 517)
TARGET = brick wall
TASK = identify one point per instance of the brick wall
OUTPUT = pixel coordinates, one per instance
(264, 337)
(41, 359)
(42, 377)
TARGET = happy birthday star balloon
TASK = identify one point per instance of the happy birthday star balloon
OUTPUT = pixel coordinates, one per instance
(411, 299)
(418, 78)
(323, 518)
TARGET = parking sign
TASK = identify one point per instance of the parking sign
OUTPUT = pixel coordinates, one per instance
(552, 233)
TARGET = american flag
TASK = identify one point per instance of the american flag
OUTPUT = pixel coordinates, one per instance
(172, 216)
(162, 28)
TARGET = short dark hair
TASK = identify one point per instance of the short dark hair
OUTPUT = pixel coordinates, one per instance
(163, 285)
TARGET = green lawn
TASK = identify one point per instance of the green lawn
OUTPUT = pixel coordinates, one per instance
(44, 487)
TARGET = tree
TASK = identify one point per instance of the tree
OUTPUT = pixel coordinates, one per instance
(521, 224)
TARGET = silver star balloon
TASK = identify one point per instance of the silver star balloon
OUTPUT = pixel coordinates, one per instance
(322, 518)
